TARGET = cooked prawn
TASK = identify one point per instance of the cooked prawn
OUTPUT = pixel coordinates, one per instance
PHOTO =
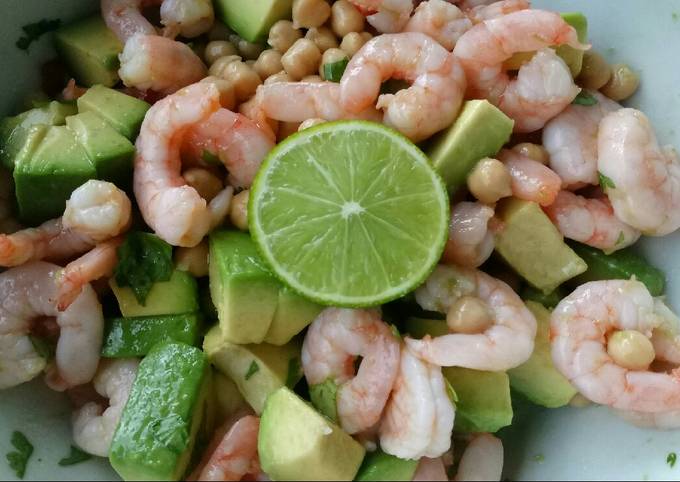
(125, 19)
(386, 16)
(543, 87)
(432, 101)
(508, 343)
(95, 212)
(482, 459)
(334, 340)
(471, 242)
(441, 20)
(571, 140)
(28, 293)
(590, 221)
(430, 469)
(94, 425)
(531, 180)
(418, 418)
(580, 325)
(483, 12)
(643, 179)
(188, 18)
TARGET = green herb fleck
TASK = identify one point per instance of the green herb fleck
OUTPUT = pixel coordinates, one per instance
(620, 239)
(252, 370)
(210, 158)
(539, 458)
(605, 182)
(395, 332)
(333, 71)
(453, 396)
(143, 259)
(75, 457)
(671, 458)
(44, 349)
(294, 372)
(33, 31)
(584, 98)
(324, 398)
(675, 16)
(19, 458)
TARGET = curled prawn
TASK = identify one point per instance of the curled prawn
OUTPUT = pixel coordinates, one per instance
(386, 16)
(531, 180)
(441, 20)
(642, 179)
(507, 343)
(432, 101)
(480, 13)
(190, 18)
(579, 327)
(28, 294)
(418, 419)
(470, 242)
(95, 212)
(334, 340)
(543, 87)
(590, 221)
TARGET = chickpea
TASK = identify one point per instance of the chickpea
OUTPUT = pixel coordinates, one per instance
(310, 123)
(249, 50)
(623, 83)
(194, 260)
(268, 63)
(345, 18)
(331, 56)
(301, 59)
(310, 13)
(219, 31)
(631, 349)
(217, 49)
(205, 182)
(238, 212)
(244, 79)
(323, 37)
(217, 68)
(595, 72)
(470, 315)
(352, 42)
(489, 181)
(226, 89)
(278, 77)
(312, 79)
(533, 151)
(283, 35)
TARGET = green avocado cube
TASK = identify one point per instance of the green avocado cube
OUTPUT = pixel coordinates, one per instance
(252, 20)
(571, 56)
(297, 443)
(45, 180)
(90, 50)
(158, 427)
(123, 112)
(177, 295)
(381, 466)
(533, 247)
(14, 130)
(293, 313)
(480, 131)
(110, 152)
(258, 370)
(537, 378)
(135, 337)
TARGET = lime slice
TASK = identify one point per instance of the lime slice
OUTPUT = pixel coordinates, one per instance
(349, 213)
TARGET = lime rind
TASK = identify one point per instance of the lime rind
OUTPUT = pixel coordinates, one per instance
(323, 199)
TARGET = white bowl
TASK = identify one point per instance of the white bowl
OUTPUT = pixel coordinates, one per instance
(558, 444)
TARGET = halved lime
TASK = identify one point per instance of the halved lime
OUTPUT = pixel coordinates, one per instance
(349, 213)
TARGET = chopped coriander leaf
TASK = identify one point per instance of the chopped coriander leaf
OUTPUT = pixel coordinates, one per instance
(143, 259)
(252, 369)
(294, 371)
(19, 459)
(44, 349)
(671, 459)
(584, 98)
(333, 71)
(75, 457)
(395, 332)
(540, 458)
(620, 239)
(605, 182)
(33, 31)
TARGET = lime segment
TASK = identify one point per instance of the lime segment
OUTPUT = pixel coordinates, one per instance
(349, 213)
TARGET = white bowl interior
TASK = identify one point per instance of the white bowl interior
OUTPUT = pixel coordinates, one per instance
(543, 444)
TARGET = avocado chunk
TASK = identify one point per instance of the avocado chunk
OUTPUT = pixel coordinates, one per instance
(252, 305)
(571, 56)
(45, 180)
(297, 443)
(123, 112)
(135, 337)
(258, 370)
(480, 131)
(14, 131)
(110, 152)
(533, 247)
(158, 427)
(381, 466)
(177, 295)
(252, 20)
(90, 50)
(537, 378)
